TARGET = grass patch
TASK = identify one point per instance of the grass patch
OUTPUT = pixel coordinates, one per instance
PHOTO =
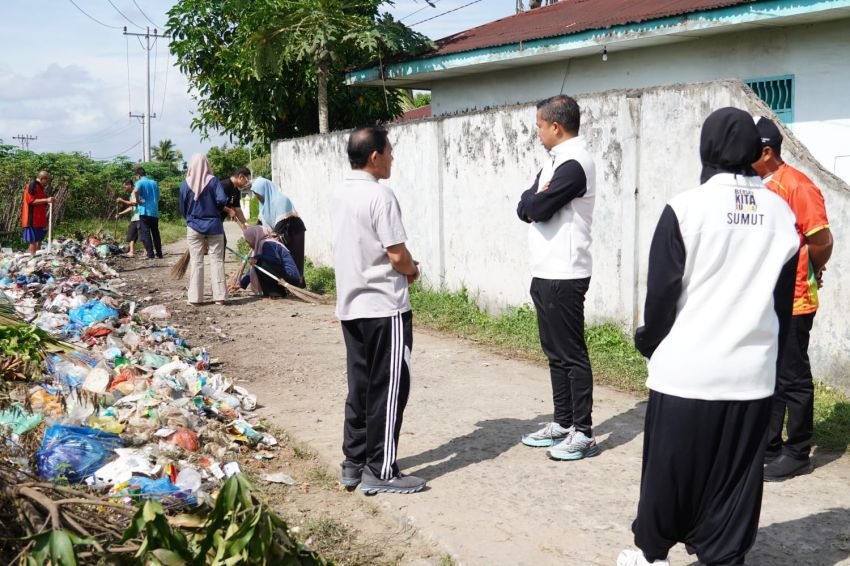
(302, 452)
(321, 477)
(615, 360)
(319, 278)
(170, 231)
(832, 418)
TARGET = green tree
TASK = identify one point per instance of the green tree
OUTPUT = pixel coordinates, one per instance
(255, 83)
(223, 160)
(166, 152)
(422, 99)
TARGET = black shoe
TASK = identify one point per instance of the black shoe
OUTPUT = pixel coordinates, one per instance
(371, 485)
(785, 467)
(350, 474)
(771, 456)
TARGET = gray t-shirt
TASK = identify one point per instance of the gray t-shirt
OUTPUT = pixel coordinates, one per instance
(366, 220)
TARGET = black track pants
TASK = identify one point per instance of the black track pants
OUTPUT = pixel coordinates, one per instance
(560, 320)
(795, 392)
(701, 482)
(378, 355)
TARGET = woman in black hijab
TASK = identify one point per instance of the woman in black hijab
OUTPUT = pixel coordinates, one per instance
(720, 285)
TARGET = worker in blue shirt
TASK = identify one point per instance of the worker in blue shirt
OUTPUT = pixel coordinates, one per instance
(147, 195)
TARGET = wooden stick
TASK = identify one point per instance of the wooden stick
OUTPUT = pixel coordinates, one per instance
(49, 226)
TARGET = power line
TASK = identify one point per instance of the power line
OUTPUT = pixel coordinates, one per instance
(123, 16)
(427, 5)
(139, 8)
(91, 17)
(444, 13)
(165, 89)
(124, 152)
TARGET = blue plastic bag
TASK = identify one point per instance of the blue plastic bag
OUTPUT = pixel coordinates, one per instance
(91, 312)
(159, 488)
(74, 452)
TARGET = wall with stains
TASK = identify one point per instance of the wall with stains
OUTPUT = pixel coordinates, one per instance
(815, 54)
(458, 180)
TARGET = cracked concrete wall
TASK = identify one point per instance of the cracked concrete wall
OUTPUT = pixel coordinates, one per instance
(458, 180)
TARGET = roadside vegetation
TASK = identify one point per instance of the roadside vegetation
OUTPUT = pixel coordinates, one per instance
(616, 362)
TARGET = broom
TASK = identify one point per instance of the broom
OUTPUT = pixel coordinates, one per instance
(178, 270)
(303, 294)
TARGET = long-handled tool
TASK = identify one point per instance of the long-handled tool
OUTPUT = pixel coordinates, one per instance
(302, 294)
(178, 270)
(49, 226)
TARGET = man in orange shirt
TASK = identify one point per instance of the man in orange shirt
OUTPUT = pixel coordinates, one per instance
(34, 211)
(794, 385)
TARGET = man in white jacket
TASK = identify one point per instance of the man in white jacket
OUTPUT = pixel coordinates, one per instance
(559, 210)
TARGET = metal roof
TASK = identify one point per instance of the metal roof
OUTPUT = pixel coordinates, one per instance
(568, 17)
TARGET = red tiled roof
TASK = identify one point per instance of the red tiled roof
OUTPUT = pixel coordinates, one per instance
(416, 114)
(568, 17)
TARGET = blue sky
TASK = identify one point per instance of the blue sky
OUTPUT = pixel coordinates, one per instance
(65, 77)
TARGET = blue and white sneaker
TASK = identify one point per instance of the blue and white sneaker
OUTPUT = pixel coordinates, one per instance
(575, 447)
(549, 435)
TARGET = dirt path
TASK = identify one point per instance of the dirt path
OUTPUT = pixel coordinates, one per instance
(490, 500)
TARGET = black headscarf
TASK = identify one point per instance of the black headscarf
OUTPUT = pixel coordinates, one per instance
(729, 143)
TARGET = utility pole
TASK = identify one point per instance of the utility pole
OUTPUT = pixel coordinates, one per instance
(24, 140)
(141, 118)
(146, 125)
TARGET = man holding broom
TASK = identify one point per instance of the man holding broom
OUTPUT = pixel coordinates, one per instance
(34, 211)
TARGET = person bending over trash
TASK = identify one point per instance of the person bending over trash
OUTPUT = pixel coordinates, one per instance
(269, 254)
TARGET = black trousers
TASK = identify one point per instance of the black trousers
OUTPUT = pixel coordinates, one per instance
(378, 356)
(292, 230)
(269, 286)
(560, 320)
(149, 232)
(701, 481)
(795, 393)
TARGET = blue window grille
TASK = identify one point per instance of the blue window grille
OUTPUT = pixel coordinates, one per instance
(777, 93)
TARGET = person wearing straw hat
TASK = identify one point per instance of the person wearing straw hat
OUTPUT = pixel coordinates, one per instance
(34, 211)
(201, 202)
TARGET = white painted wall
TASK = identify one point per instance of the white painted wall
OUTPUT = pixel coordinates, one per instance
(818, 55)
(458, 180)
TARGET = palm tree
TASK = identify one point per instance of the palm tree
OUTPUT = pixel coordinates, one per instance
(165, 152)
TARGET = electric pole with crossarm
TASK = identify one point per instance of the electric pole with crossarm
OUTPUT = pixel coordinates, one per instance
(146, 142)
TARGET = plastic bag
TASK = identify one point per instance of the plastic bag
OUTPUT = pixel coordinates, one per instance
(155, 312)
(184, 438)
(91, 312)
(46, 403)
(151, 360)
(19, 420)
(74, 452)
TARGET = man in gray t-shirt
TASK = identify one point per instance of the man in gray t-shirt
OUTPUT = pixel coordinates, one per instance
(373, 269)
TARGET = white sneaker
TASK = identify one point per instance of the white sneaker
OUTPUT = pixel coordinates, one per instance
(636, 558)
(549, 435)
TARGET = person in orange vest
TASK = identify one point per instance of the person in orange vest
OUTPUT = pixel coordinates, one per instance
(795, 391)
(34, 211)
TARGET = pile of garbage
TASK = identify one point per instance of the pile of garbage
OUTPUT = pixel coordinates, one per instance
(127, 406)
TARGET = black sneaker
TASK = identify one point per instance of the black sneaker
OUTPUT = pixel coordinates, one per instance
(771, 456)
(371, 485)
(350, 474)
(785, 467)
